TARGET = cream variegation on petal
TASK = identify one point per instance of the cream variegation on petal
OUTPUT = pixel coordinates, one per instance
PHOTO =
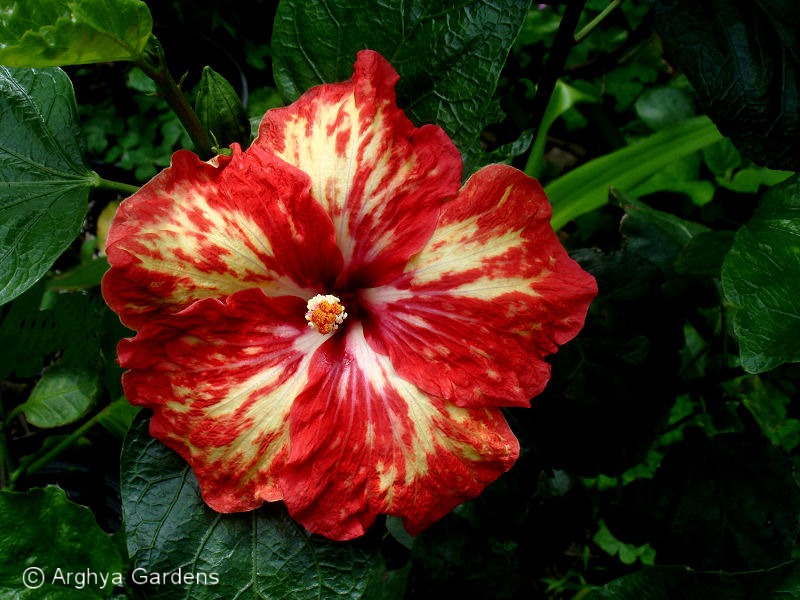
(221, 378)
(198, 230)
(489, 296)
(379, 178)
(367, 441)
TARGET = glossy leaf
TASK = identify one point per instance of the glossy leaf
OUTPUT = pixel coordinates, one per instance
(44, 179)
(668, 583)
(743, 59)
(221, 111)
(51, 33)
(586, 188)
(761, 276)
(258, 554)
(42, 528)
(449, 56)
(63, 395)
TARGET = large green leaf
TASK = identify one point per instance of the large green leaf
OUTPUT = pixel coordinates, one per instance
(448, 54)
(669, 583)
(43, 529)
(761, 275)
(743, 59)
(255, 555)
(50, 33)
(44, 179)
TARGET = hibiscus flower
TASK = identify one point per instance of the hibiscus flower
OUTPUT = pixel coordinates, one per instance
(328, 320)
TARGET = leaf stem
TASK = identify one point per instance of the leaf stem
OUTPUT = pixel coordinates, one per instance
(155, 67)
(557, 57)
(33, 463)
(583, 33)
(117, 186)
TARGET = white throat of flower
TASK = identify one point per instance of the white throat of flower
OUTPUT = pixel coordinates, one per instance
(325, 313)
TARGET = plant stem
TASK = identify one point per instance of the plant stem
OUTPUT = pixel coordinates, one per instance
(34, 463)
(583, 33)
(556, 59)
(155, 67)
(116, 186)
(6, 463)
(6, 421)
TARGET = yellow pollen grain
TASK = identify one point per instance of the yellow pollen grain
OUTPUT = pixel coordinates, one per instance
(325, 313)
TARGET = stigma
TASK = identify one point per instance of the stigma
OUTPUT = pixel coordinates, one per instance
(325, 313)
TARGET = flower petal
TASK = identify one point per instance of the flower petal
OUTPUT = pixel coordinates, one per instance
(199, 230)
(380, 179)
(490, 295)
(221, 378)
(365, 441)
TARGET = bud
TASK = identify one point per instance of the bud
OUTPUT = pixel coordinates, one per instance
(220, 111)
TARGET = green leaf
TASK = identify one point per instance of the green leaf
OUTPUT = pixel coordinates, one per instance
(44, 179)
(71, 325)
(449, 57)
(118, 416)
(656, 235)
(761, 276)
(628, 553)
(663, 106)
(669, 583)
(43, 529)
(722, 157)
(600, 378)
(62, 396)
(743, 59)
(564, 97)
(50, 33)
(704, 253)
(221, 111)
(255, 555)
(768, 406)
(586, 188)
(727, 502)
(682, 176)
(750, 179)
(81, 277)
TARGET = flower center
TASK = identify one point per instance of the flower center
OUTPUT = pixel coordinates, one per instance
(325, 313)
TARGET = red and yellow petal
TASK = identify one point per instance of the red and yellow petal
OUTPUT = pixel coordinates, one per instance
(491, 294)
(200, 230)
(365, 441)
(221, 377)
(379, 178)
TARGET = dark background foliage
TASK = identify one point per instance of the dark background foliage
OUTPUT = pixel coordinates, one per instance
(661, 458)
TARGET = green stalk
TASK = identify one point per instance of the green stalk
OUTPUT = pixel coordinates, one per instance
(556, 58)
(586, 188)
(116, 186)
(590, 26)
(33, 463)
(155, 67)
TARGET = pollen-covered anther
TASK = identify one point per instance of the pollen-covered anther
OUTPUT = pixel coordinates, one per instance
(325, 313)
